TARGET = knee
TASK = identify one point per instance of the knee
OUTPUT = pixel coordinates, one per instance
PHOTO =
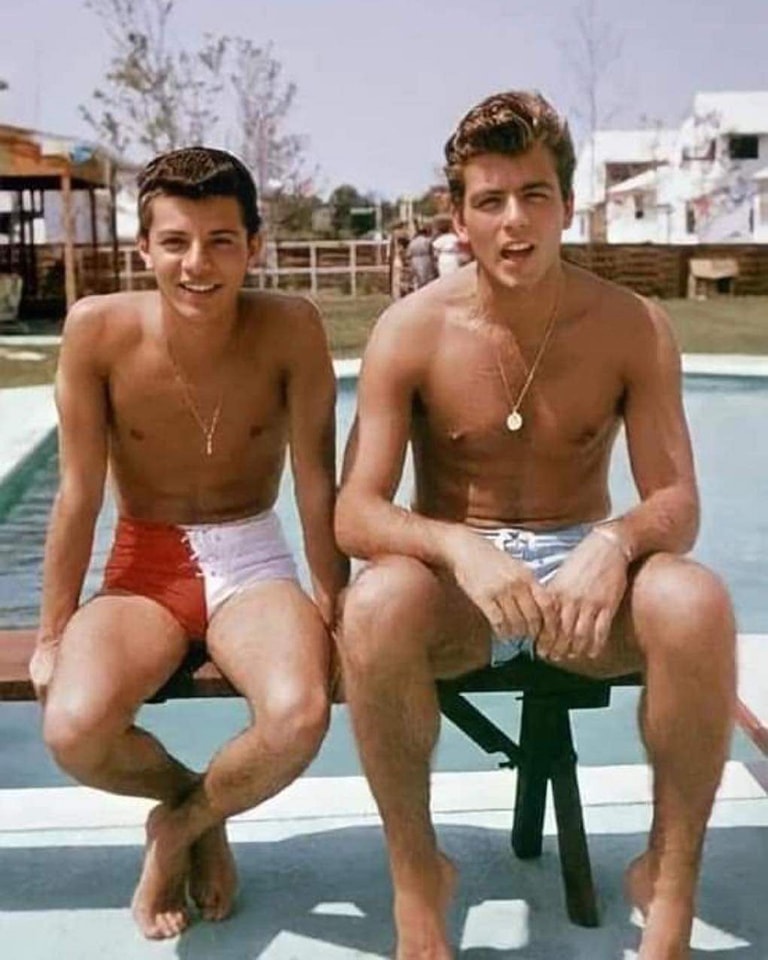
(683, 606)
(294, 722)
(391, 599)
(76, 734)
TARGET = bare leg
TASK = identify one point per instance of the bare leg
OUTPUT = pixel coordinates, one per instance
(395, 618)
(116, 651)
(681, 622)
(272, 645)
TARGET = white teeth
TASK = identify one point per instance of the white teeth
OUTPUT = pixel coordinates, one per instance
(199, 287)
(518, 246)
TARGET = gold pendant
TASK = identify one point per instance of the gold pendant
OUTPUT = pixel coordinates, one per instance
(514, 421)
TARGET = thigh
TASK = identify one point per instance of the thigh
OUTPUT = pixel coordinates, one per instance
(408, 601)
(270, 642)
(117, 650)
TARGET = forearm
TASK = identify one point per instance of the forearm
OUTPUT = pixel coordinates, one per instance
(369, 526)
(328, 566)
(667, 520)
(67, 555)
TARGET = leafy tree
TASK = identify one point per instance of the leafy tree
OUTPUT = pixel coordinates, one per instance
(154, 97)
(342, 201)
(157, 96)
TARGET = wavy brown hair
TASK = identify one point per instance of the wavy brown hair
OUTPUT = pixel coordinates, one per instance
(509, 123)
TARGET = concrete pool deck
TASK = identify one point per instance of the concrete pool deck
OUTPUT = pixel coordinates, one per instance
(313, 872)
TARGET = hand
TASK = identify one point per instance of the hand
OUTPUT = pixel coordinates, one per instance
(509, 596)
(588, 589)
(42, 663)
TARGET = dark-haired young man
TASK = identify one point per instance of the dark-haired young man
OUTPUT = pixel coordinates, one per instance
(510, 379)
(190, 394)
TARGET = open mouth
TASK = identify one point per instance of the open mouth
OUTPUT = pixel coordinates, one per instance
(199, 289)
(516, 251)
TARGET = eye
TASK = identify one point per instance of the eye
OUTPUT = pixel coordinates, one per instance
(172, 243)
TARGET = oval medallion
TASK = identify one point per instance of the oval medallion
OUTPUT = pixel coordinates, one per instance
(514, 421)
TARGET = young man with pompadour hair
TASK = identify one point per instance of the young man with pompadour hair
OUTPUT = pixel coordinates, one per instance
(510, 379)
(190, 394)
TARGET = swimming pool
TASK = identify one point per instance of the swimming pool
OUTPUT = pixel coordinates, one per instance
(727, 417)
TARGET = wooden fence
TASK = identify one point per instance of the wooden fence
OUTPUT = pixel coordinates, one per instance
(350, 267)
(357, 267)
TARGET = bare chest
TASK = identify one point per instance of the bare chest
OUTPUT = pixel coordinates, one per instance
(479, 409)
(160, 419)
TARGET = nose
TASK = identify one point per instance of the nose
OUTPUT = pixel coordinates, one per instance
(195, 259)
(515, 213)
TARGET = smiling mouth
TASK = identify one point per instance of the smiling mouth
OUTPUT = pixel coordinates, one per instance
(199, 288)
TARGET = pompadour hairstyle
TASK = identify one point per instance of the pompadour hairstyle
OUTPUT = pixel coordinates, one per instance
(196, 173)
(509, 123)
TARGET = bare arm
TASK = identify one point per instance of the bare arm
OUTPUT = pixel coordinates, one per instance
(591, 583)
(369, 524)
(81, 403)
(311, 400)
(667, 517)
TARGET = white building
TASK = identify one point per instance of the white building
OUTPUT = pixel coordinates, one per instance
(704, 183)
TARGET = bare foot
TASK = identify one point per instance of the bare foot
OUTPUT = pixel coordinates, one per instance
(213, 877)
(159, 903)
(420, 915)
(666, 905)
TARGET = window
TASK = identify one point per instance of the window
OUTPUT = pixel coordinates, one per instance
(700, 152)
(639, 206)
(690, 218)
(743, 147)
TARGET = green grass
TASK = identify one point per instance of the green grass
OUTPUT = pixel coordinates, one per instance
(724, 325)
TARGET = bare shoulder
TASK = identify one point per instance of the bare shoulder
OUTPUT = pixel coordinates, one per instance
(292, 321)
(406, 336)
(637, 327)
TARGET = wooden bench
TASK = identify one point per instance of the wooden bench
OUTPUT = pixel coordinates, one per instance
(544, 754)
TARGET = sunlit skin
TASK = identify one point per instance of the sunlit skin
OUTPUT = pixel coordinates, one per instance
(142, 376)
(434, 593)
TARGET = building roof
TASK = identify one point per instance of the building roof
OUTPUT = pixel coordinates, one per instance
(742, 111)
(32, 159)
(647, 145)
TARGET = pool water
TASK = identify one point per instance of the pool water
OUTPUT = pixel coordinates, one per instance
(727, 418)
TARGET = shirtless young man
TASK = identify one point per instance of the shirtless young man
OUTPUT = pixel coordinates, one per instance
(191, 394)
(511, 379)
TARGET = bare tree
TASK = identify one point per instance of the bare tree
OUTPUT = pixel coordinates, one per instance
(155, 97)
(592, 50)
(263, 100)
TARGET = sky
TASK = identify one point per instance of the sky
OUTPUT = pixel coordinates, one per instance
(382, 83)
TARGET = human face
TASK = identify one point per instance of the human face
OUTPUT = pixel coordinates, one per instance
(512, 216)
(199, 252)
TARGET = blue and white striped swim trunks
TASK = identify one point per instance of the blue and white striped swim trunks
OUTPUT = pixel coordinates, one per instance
(543, 552)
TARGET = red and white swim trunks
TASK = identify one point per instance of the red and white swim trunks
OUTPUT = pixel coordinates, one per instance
(193, 569)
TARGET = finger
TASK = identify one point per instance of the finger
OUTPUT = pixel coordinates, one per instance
(583, 637)
(565, 631)
(546, 601)
(602, 631)
(529, 612)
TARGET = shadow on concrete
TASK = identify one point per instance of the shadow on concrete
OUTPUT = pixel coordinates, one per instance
(284, 883)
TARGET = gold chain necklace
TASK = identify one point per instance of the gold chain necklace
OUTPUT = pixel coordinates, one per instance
(514, 420)
(208, 429)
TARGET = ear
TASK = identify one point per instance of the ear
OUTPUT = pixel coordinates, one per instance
(459, 227)
(255, 244)
(142, 244)
(568, 211)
